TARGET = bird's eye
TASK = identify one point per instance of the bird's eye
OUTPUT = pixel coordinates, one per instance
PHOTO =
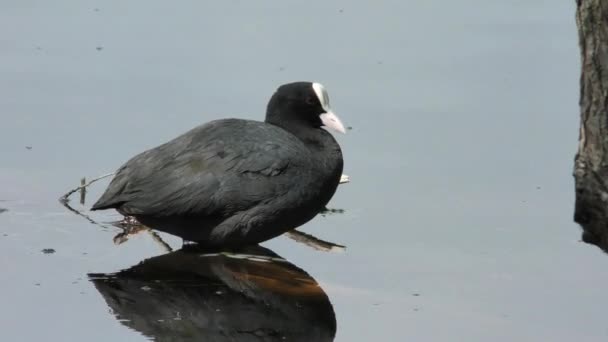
(310, 101)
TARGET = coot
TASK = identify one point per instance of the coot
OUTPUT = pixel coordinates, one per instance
(234, 182)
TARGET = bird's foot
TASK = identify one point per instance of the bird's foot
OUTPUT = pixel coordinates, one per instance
(130, 226)
(314, 242)
(127, 222)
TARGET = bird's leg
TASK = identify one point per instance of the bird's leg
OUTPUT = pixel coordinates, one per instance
(314, 242)
(127, 221)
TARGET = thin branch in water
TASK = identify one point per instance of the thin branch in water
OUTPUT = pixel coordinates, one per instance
(77, 212)
(65, 198)
(126, 227)
(330, 211)
(160, 240)
(83, 190)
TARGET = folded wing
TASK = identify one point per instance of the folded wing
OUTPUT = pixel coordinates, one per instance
(216, 169)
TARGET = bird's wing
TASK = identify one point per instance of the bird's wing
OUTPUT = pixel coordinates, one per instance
(215, 170)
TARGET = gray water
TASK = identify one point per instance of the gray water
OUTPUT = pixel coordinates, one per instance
(458, 218)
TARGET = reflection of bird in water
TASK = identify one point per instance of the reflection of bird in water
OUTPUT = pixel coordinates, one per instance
(188, 296)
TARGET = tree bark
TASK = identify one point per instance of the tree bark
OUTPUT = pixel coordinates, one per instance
(591, 162)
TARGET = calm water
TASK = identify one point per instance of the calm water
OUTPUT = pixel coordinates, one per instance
(458, 219)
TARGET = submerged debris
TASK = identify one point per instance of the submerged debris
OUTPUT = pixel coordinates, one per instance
(330, 211)
(83, 190)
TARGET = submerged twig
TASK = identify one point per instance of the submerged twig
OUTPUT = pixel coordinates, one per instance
(127, 229)
(83, 190)
(330, 211)
(79, 213)
(65, 198)
(160, 240)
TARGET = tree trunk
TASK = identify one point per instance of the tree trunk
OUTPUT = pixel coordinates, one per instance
(591, 162)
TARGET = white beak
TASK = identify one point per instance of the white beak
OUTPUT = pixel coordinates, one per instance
(331, 120)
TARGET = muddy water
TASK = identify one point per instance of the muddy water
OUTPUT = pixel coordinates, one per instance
(457, 222)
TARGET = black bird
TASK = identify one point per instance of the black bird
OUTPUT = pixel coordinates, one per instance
(233, 182)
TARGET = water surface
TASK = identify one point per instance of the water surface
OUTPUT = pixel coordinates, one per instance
(458, 219)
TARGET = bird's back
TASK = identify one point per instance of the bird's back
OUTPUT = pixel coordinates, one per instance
(214, 169)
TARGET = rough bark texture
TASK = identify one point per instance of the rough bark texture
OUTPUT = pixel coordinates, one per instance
(591, 162)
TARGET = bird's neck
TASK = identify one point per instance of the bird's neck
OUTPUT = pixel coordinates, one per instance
(324, 147)
(316, 138)
(321, 143)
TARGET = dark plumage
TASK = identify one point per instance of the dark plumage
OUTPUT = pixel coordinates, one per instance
(236, 182)
(188, 296)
